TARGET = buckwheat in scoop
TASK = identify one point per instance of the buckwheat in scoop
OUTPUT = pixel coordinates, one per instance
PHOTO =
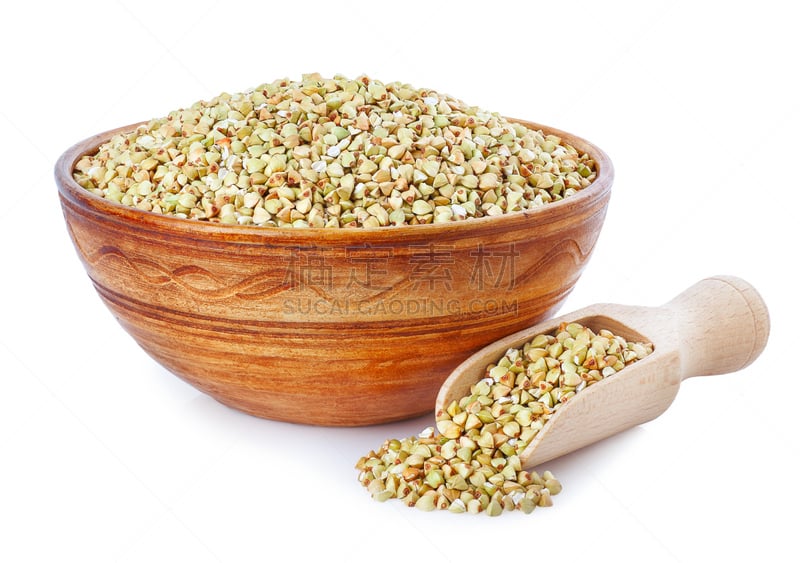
(473, 464)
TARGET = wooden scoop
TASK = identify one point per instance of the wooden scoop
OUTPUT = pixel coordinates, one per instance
(719, 325)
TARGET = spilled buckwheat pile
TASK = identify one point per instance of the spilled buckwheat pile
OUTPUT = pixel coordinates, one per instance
(473, 464)
(334, 153)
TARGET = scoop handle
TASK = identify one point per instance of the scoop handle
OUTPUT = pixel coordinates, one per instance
(722, 326)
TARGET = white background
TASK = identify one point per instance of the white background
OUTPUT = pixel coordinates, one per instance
(108, 457)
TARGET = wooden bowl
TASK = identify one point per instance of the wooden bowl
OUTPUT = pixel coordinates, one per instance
(336, 327)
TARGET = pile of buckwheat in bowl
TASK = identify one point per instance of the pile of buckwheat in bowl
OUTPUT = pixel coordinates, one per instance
(334, 153)
(333, 223)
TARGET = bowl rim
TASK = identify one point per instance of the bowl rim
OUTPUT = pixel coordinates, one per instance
(70, 191)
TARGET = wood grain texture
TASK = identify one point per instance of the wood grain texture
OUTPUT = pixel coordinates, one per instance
(719, 325)
(329, 327)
